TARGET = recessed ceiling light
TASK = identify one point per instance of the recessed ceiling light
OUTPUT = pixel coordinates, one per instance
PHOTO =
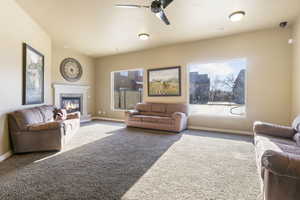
(144, 36)
(237, 16)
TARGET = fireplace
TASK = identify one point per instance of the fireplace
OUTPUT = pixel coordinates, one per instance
(72, 103)
(72, 97)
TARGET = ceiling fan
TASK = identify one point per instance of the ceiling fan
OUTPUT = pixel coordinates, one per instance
(157, 7)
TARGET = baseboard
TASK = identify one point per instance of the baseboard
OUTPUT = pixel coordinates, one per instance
(108, 119)
(189, 127)
(86, 118)
(221, 130)
(5, 156)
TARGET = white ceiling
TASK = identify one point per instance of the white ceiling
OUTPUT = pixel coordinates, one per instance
(97, 28)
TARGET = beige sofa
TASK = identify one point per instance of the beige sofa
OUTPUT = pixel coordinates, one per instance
(161, 116)
(278, 159)
(35, 129)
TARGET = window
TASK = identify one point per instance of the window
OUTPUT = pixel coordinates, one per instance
(218, 88)
(127, 89)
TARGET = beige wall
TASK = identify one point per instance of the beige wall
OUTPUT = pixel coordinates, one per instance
(268, 74)
(88, 67)
(17, 27)
(296, 70)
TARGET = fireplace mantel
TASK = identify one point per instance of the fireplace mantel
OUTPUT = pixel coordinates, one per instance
(68, 89)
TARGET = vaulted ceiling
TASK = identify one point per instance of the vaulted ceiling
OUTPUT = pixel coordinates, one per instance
(97, 28)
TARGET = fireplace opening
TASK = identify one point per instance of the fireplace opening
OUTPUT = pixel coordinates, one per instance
(71, 104)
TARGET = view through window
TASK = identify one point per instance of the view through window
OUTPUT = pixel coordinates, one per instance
(127, 89)
(218, 88)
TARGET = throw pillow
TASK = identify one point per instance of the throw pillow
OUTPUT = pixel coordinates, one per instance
(60, 114)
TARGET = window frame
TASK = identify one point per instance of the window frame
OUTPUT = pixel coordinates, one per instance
(212, 114)
(112, 81)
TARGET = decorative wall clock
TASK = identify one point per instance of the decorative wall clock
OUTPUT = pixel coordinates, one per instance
(71, 69)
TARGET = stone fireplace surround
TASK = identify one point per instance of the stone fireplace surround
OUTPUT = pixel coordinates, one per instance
(67, 90)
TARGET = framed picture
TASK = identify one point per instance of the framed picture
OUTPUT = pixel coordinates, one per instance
(33, 76)
(164, 82)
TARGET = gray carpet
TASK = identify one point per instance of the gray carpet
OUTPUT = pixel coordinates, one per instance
(108, 161)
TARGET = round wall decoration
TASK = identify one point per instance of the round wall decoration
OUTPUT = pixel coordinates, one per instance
(71, 69)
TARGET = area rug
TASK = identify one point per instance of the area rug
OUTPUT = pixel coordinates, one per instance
(108, 161)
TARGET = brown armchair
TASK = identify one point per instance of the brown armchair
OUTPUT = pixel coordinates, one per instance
(36, 129)
(278, 159)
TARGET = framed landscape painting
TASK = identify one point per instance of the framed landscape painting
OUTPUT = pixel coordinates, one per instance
(164, 82)
(33, 76)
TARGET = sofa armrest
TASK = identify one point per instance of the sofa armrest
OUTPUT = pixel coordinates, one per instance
(274, 130)
(45, 126)
(180, 121)
(74, 115)
(131, 112)
(178, 115)
(282, 164)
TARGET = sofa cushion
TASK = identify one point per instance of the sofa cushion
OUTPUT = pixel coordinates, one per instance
(157, 119)
(171, 108)
(156, 114)
(47, 112)
(44, 126)
(28, 116)
(143, 107)
(263, 143)
(159, 108)
(137, 118)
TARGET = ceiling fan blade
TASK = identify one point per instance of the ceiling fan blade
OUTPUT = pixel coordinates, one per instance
(165, 3)
(161, 15)
(130, 6)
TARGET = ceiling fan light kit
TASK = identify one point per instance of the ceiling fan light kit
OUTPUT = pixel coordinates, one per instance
(237, 16)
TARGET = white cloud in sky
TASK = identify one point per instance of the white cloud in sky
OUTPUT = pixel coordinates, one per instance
(220, 69)
(217, 69)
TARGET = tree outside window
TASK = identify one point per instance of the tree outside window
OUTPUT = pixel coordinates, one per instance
(218, 88)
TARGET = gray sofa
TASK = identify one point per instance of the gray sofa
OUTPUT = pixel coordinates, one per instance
(160, 116)
(35, 129)
(278, 160)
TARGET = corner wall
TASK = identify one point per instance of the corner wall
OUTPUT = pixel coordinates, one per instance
(17, 27)
(296, 70)
(268, 75)
(88, 76)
